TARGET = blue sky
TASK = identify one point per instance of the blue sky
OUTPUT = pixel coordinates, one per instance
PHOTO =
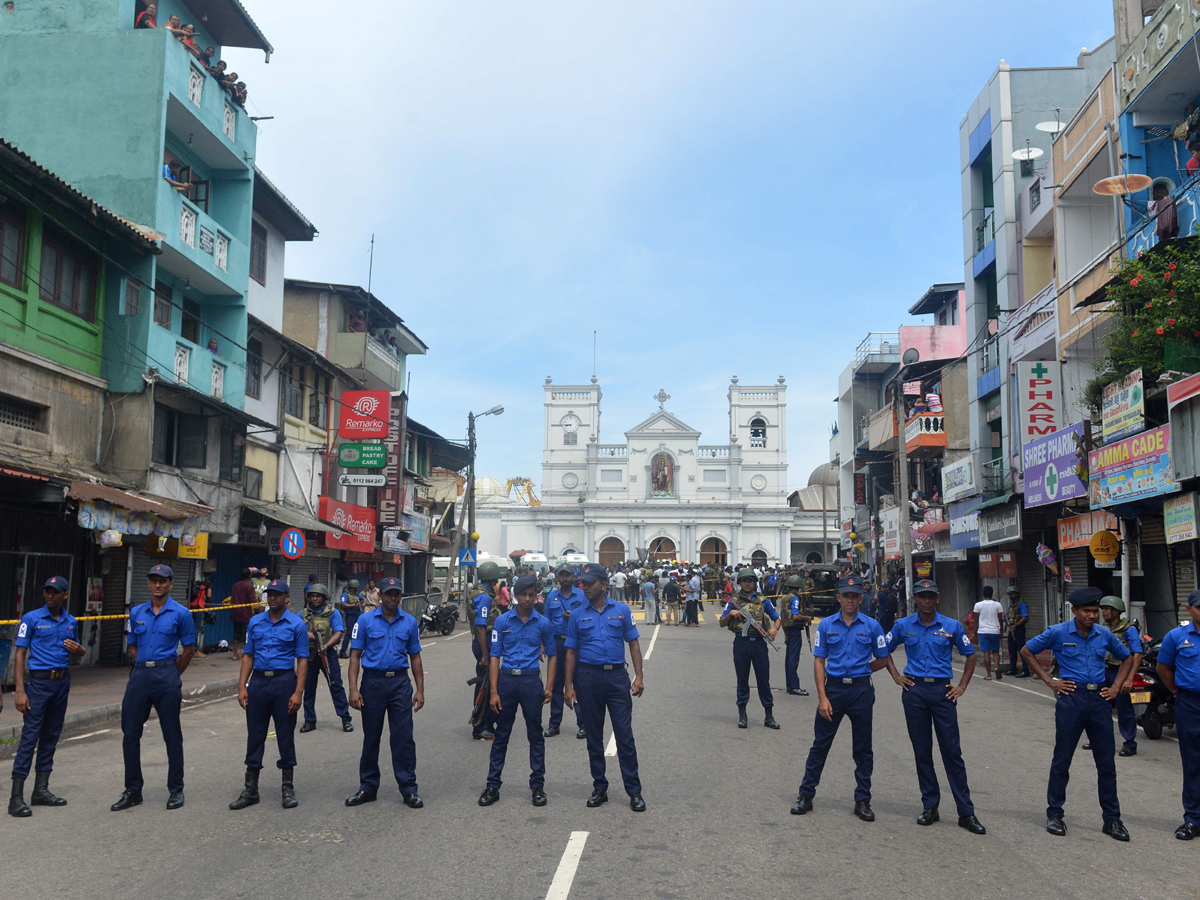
(715, 188)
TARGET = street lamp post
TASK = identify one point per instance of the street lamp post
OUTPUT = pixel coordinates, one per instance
(471, 417)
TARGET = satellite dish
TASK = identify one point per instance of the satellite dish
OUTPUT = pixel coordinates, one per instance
(1050, 127)
(1029, 153)
(911, 355)
(1120, 185)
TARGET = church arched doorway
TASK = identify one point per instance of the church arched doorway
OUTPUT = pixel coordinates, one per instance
(612, 551)
(662, 548)
(713, 550)
(758, 558)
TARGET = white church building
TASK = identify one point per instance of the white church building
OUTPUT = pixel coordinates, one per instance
(660, 489)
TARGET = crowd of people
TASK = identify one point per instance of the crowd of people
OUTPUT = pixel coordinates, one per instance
(186, 35)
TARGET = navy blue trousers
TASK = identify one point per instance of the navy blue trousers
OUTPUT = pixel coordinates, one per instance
(340, 705)
(856, 702)
(526, 692)
(43, 724)
(390, 697)
(752, 651)
(267, 703)
(928, 712)
(160, 689)
(1016, 640)
(1074, 713)
(556, 694)
(793, 643)
(600, 690)
(1126, 718)
(348, 619)
(1187, 729)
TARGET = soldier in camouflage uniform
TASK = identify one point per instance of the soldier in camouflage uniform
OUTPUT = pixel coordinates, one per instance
(795, 612)
(749, 647)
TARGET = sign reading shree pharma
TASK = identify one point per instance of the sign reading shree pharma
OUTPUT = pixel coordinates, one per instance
(1138, 466)
(355, 524)
(1053, 465)
(364, 414)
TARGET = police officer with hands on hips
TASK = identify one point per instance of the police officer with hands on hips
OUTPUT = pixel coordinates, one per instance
(596, 639)
(930, 700)
(325, 628)
(1179, 669)
(385, 645)
(749, 647)
(271, 689)
(156, 630)
(46, 642)
(484, 610)
(519, 637)
(843, 652)
(1082, 704)
(560, 603)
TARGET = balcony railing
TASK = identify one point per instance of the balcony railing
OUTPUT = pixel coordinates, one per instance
(882, 429)
(985, 231)
(612, 450)
(995, 476)
(877, 343)
(991, 354)
(713, 452)
(1144, 235)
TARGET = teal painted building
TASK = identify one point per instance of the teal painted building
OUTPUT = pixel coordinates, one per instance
(105, 106)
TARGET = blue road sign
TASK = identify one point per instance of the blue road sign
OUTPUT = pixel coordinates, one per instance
(291, 543)
(466, 557)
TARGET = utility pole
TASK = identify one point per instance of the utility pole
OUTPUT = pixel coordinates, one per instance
(902, 456)
(471, 485)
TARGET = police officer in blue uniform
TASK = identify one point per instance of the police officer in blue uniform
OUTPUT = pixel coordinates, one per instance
(271, 689)
(484, 610)
(385, 645)
(46, 641)
(519, 638)
(156, 630)
(1179, 669)
(742, 612)
(596, 639)
(1082, 704)
(560, 603)
(842, 667)
(930, 700)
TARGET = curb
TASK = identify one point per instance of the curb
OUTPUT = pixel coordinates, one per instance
(94, 714)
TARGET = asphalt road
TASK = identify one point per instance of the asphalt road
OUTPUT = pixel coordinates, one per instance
(717, 822)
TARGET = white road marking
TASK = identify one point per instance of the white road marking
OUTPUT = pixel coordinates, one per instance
(610, 748)
(560, 887)
(653, 638)
(459, 634)
(80, 737)
(430, 644)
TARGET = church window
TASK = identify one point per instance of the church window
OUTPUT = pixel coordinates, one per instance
(758, 433)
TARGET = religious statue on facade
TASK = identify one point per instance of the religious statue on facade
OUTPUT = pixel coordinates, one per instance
(662, 476)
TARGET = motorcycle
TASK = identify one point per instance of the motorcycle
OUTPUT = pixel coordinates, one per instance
(1153, 704)
(439, 617)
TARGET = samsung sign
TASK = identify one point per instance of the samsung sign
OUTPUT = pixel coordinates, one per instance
(964, 525)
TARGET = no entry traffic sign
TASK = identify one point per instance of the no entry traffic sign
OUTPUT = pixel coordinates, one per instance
(291, 543)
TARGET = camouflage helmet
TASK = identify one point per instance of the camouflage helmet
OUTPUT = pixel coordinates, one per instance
(746, 573)
(317, 588)
(1113, 603)
(489, 570)
(795, 581)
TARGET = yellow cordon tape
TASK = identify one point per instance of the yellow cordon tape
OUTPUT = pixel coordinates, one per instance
(126, 615)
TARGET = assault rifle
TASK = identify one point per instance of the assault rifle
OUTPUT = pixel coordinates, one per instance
(748, 623)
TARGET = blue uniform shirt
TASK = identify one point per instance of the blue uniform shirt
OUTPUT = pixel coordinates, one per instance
(847, 649)
(767, 605)
(600, 637)
(276, 645)
(928, 649)
(1079, 658)
(336, 623)
(520, 643)
(558, 603)
(482, 604)
(1023, 610)
(794, 605)
(156, 636)
(385, 645)
(1181, 649)
(44, 637)
(1133, 639)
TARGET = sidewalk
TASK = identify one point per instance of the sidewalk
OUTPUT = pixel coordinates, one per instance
(96, 691)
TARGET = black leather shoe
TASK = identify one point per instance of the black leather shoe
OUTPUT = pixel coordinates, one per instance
(126, 800)
(972, 824)
(862, 809)
(598, 797)
(1025, 674)
(581, 734)
(1187, 831)
(928, 816)
(539, 797)
(798, 692)
(414, 801)
(742, 721)
(1087, 746)
(802, 805)
(483, 736)
(637, 804)
(1056, 826)
(347, 724)
(489, 796)
(308, 726)
(999, 676)
(41, 795)
(360, 798)
(770, 722)
(551, 732)
(1128, 749)
(175, 800)
(1115, 829)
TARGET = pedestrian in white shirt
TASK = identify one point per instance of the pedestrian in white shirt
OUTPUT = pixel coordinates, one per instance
(990, 613)
(617, 582)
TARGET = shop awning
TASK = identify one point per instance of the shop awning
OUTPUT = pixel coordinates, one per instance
(137, 502)
(933, 527)
(995, 501)
(285, 515)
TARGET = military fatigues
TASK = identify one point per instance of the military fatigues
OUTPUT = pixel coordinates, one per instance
(47, 685)
(750, 647)
(798, 604)
(1128, 635)
(1181, 650)
(519, 646)
(484, 611)
(275, 646)
(324, 623)
(1016, 636)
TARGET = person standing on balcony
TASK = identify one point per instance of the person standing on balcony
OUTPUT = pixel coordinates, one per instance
(145, 19)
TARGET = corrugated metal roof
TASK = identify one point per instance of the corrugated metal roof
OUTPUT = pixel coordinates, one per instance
(137, 502)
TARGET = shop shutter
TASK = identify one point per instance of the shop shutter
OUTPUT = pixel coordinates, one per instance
(1153, 530)
(296, 571)
(1185, 574)
(1077, 560)
(1031, 582)
(112, 631)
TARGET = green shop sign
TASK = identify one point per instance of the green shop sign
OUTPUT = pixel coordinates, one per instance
(362, 456)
